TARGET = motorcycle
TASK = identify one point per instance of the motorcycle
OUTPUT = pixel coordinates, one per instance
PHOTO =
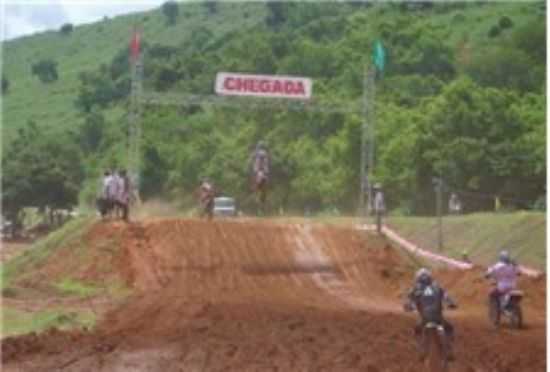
(509, 306)
(434, 344)
(260, 186)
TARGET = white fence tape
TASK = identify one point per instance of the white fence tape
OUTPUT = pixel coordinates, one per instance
(413, 248)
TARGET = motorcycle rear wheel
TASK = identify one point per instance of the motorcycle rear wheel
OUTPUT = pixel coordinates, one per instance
(516, 318)
(436, 349)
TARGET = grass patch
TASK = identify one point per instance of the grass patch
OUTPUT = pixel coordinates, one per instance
(42, 249)
(481, 235)
(114, 289)
(72, 287)
(15, 322)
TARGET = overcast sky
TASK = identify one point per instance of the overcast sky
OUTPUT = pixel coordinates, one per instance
(24, 17)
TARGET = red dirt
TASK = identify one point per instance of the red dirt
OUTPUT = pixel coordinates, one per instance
(257, 296)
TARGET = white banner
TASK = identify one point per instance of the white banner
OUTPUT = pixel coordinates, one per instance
(263, 85)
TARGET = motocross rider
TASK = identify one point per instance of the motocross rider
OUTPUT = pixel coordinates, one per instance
(261, 162)
(505, 273)
(427, 297)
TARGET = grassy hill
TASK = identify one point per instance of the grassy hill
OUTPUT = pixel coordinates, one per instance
(433, 102)
(482, 235)
(89, 46)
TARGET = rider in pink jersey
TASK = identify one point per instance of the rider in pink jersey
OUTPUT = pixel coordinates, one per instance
(505, 273)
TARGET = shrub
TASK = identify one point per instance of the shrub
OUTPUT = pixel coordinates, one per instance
(46, 70)
(67, 28)
(494, 31)
(505, 22)
(5, 85)
(171, 10)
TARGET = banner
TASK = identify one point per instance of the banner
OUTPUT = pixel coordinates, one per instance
(263, 85)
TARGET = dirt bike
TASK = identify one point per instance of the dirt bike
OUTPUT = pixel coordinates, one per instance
(260, 186)
(207, 207)
(434, 344)
(508, 305)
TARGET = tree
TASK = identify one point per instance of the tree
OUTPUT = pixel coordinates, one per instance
(212, 6)
(91, 132)
(483, 140)
(39, 170)
(46, 70)
(278, 13)
(66, 29)
(505, 22)
(531, 39)
(99, 89)
(494, 31)
(5, 84)
(504, 67)
(171, 10)
(154, 172)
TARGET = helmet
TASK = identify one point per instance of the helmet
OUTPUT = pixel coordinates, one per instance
(423, 276)
(504, 257)
(377, 186)
(260, 145)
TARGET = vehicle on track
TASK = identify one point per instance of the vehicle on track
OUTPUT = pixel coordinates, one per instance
(225, 206)
(434, 344)
(509, 306)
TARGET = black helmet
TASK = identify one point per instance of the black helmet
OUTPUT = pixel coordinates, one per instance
(424, 276)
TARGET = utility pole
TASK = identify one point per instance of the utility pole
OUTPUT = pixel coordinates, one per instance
(367, 142)
(134, 124)
(364, 129)
(438, 183)
(372, 122)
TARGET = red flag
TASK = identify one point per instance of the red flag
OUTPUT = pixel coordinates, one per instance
(134, 45)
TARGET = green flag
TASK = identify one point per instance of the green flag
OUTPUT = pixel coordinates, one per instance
(379, 56)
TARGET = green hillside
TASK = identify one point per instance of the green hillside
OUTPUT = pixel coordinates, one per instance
(462, 96)
(481, 235)
(89, 46)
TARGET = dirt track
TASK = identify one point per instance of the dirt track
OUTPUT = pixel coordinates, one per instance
(256, 296)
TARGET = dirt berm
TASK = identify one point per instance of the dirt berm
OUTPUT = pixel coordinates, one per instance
(261, 296)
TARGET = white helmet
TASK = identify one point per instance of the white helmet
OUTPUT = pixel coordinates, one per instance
(504, 257)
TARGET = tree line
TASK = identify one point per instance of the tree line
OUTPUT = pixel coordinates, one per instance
(472, 112)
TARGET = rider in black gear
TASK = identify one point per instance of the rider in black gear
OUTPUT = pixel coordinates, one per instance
(428, 298)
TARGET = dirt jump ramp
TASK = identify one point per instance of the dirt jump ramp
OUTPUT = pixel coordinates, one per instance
(261, 296)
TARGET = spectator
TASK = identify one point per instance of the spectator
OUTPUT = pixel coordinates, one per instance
(455, 206)
(379, 205)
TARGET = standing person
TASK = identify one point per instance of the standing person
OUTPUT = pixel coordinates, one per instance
(379, 206)
(123, 194)
(105, 201)
(455, 206)
(206, 193)
(115, 192)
